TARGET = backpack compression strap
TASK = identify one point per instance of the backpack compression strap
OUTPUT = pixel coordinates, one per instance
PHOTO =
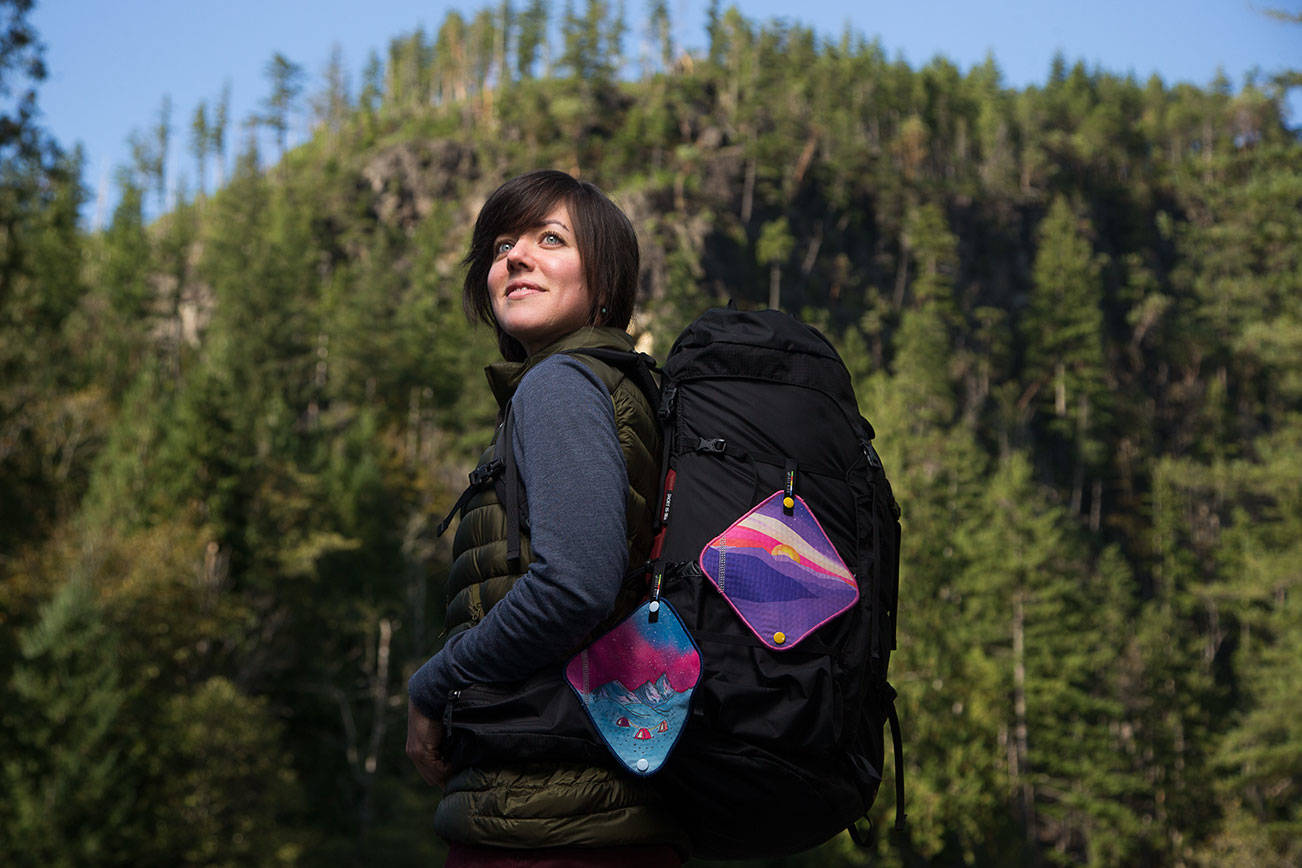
(900, 816)
(866, 839)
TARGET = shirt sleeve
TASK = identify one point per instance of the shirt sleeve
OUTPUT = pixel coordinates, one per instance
(575, 484)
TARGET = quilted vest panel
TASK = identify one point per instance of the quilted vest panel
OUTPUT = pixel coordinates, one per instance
(480, 575)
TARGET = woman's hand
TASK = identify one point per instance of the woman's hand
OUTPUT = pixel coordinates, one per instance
(424, 736)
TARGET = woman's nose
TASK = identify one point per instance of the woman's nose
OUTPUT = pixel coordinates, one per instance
(519, 256)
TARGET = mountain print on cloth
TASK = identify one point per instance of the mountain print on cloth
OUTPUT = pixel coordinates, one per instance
(636, 683)
(780, 572)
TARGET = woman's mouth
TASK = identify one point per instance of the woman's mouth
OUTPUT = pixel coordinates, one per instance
(521, 289)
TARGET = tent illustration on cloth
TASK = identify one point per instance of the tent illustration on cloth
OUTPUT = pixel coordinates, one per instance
(780, 572)
(636, 683)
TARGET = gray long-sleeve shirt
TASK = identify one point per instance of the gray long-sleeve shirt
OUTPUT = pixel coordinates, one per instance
(575, 484)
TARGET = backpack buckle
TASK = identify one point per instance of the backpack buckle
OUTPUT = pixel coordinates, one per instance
(485, 473)
(714, 445)
(666, 409)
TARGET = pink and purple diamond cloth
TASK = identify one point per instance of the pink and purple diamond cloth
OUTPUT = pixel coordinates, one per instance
(779, 571)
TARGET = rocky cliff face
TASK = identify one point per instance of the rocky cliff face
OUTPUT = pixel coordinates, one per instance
(407, 179)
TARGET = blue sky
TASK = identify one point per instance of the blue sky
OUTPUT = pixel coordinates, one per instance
(112, 61)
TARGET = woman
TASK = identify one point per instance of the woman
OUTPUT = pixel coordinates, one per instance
(553, 267)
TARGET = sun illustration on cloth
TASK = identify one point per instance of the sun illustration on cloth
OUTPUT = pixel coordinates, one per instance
(786, 551)
(780, 572)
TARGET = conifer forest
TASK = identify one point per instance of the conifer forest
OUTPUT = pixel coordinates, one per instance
(231, 417)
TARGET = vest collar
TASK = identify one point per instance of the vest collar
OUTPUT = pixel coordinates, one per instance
(504, 377)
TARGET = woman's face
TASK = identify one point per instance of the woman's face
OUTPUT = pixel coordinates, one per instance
(536, 282)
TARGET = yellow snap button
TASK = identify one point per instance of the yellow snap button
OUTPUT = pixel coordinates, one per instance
(788, 502)
(779, 637)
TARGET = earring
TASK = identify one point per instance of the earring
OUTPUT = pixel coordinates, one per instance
(603, 308)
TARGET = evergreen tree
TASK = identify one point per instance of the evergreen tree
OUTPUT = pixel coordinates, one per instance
(531, 37)
(923, 365)
(773, 248)
(228, 790)
(1260, 756)
(407, 79)
(200, 142)
(162, 148)
(331, 106)
(588, 40)
(148, 167)
(452, 56)
(126, 257)
(661, 32)
(221, 118)
(21, 51)
(714, 33)
(934, 251)
(70, 786)
(504, 36)
(286, 80)
(372, 92)
(43, 432)
(1063, 331)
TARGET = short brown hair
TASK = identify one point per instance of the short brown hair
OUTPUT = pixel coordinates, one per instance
(605, 238)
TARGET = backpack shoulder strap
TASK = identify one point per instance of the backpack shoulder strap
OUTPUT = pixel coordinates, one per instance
(505, 453)
(639, 367)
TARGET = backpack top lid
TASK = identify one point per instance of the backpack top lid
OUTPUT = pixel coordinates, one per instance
(762, 328)
(762, 345)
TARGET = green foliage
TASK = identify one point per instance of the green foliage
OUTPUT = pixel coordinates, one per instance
(225, 780)
(286, 80)
(45, 432)
(1070, 312)
(1064, 325)
(70, 783)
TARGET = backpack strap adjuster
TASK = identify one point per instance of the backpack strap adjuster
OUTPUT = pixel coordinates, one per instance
(487, 472)
(716, 445)
(481, 476)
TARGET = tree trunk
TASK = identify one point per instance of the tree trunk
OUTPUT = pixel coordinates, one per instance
(1096, 505)
(1060, 389)
(748, 192)
(901, 277)
(1082, 432)
(1021, 781)
(1077, 485)
(379, 722)
(811, 253)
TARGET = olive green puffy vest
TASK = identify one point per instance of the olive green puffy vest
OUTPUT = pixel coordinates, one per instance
(557, 804)
(480, 574)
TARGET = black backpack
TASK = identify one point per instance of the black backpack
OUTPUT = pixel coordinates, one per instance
(783, 748)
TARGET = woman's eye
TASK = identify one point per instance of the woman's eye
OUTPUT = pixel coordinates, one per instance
(503, 247)
(551, 238)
